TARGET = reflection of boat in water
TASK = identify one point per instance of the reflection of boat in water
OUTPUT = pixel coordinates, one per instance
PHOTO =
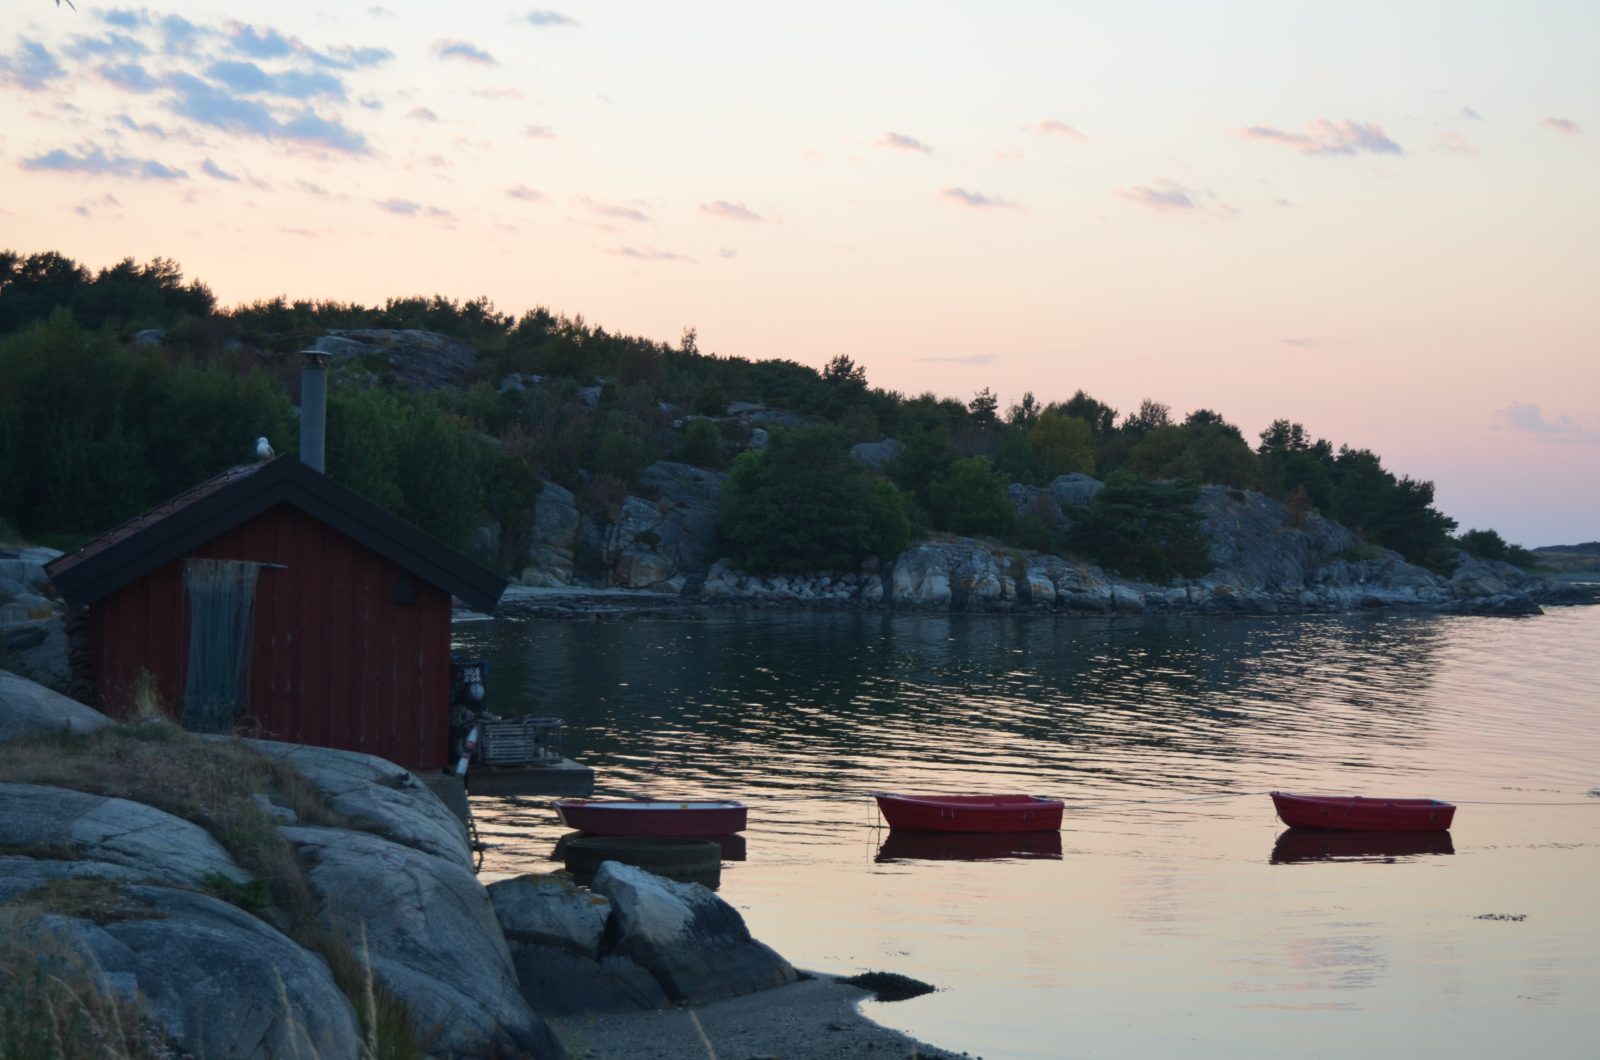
(733, 848)
(970, 813)
(652, 817)
(969, 846)
(1322, 844)
(1353, 812)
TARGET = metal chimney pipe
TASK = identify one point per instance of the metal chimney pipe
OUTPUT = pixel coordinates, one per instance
(313, 408)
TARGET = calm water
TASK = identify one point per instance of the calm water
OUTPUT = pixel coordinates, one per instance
(1163, 928)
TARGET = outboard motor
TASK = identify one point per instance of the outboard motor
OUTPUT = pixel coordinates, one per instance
(487, 739)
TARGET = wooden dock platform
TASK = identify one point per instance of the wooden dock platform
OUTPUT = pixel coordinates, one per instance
(561, 777)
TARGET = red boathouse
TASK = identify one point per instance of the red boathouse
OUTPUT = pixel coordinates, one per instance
(273, 600)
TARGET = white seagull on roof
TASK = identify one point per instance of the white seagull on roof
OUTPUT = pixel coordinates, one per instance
(263, 448)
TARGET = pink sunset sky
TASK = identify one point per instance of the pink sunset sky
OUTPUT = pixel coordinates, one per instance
(1378, 220)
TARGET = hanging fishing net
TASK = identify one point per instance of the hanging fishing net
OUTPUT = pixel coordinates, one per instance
(221, 593)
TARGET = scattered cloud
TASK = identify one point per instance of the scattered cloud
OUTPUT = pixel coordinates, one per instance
(421, 114)
(1453, 143)
(971, 358)
(407, 208)
(211, 169)
(30, 66)
(1304, 344)
(547, 17)
(84, 47)
(148, 128)
(539, 132)
(179, 36)
(258, 44)
(525, 193)
(124, 18)
(1562, 125)
(208, 104)
(732, 211)
(727, 252)
(1168, 196)
(130, 77)
(1524, 418)
(1324, 137)
(371, 102)
(1282, 202)
(498, 92)
(87, 207)
(649, 254)
(975, 200)
(350, 58)
(249, 79)
(902, 142)
(1470, 114)
(1052, 127)
(460, 49)
(621, 213)
(313, 189)
(92, 160)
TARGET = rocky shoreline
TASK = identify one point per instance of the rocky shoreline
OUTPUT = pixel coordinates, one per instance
(660, 557)
(213, 896)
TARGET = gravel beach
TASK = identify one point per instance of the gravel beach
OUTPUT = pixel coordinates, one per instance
(815, 1019)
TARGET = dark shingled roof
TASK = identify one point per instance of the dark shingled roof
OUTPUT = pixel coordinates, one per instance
(175, 527)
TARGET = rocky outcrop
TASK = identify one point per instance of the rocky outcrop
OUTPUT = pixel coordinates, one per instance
(378, 796)
(75, 824)
(416, 360)
(694, 944)
(554, 539)
(129, 894)
(33, 640)
(29, 709)
(661, 543)
(429, 931)
(632, 941)
(213, 979)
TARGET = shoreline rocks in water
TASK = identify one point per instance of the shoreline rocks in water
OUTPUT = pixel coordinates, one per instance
(662, 547)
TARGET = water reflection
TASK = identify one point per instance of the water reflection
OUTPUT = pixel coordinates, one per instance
(969, 846)
(1322, 844)
(732, 846)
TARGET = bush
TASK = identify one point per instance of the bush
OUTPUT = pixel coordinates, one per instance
(1143, 529)
(803, 504)
(971, 499)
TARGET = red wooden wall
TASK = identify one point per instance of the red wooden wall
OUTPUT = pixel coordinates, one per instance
(336, 662)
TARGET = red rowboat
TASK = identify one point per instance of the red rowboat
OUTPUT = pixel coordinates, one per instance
(971, 813)
(652, 817)
(1363, 815)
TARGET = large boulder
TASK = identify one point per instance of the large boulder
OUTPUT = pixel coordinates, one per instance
(876, 454)
(550, 911)
(216, 980)
(664, 542)
(35, 817)
(557, 982)
(554, 538)
(379, 796)
(416, 360)
(30, 709)
(695, 944)
(430, 933)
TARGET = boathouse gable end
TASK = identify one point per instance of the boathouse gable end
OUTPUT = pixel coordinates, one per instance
(274, 601)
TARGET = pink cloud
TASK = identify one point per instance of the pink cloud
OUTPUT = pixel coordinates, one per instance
(1562, 125)
(975, 200)
(902, 142)
(732, 211)
(1168, 196)
(1324, 137)
(1052, 127)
